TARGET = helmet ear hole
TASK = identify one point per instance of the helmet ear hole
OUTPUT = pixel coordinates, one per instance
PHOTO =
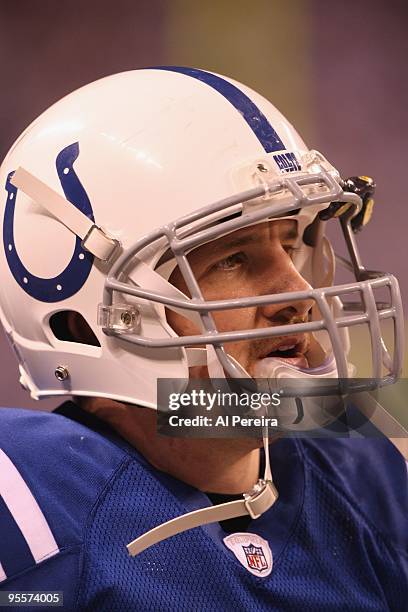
(70, 326)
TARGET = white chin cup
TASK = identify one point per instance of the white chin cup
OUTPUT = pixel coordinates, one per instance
(273, 367)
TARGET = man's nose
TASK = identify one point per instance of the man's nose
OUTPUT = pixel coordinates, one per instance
(293, 310)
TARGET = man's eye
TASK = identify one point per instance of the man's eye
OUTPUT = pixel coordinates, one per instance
(231, 263)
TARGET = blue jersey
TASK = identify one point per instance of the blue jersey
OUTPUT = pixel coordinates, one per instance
(73, 494)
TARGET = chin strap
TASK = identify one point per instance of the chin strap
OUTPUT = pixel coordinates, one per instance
(94, 239)
(254, 504)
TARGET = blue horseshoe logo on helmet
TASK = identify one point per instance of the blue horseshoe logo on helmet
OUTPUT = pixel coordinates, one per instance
(77, 271)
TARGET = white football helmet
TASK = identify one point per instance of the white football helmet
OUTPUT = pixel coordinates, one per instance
(105, 194)
(107, 191)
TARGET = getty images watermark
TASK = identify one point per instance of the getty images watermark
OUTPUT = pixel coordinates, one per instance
(238, 408)
(245, 404)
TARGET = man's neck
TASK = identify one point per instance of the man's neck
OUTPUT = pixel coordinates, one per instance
(215, 465)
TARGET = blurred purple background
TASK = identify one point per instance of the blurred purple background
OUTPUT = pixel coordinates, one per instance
(339, 75)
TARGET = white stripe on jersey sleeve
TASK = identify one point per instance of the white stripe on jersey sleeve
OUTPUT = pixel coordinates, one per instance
(2, 574)
(25, 511)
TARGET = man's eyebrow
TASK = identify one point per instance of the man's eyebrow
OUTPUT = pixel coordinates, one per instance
(289, 233)
(237, 242)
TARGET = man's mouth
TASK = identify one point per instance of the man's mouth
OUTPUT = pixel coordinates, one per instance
(290, 351)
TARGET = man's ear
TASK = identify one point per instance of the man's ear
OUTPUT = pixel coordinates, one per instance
(70, 326)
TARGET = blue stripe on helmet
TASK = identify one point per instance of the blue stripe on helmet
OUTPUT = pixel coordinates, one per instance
(256, 120)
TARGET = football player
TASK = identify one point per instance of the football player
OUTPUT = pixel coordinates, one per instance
(170, 223)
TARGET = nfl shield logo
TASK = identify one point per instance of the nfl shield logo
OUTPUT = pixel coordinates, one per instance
(255, 557)
(252, 551)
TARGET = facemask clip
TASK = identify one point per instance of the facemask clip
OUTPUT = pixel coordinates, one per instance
(119, 318)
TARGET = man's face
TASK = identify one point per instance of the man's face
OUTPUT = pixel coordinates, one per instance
(251, 262)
